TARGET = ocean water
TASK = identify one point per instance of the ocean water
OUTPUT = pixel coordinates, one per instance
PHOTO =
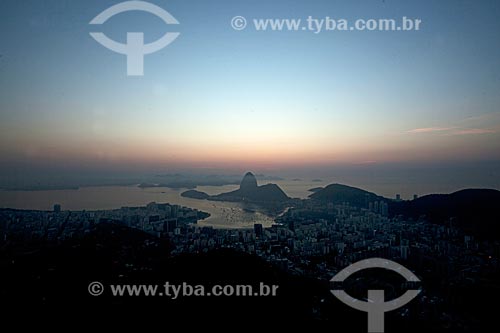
(223, 214)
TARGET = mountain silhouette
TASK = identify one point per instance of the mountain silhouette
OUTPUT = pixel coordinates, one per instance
(249, 191)
(249, 182)
(474, 210)
(338, 193)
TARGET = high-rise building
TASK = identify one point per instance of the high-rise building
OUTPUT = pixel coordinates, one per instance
(398, 197)
(384, 208)
(57, 208)
(170, 225)
(415, 197)
(404, 251)
(257, 227)
(168, 210)
(175, 211)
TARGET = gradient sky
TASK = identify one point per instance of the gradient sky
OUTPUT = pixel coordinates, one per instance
(217, 97)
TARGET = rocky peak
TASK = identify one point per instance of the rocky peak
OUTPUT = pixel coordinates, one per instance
(248, 182)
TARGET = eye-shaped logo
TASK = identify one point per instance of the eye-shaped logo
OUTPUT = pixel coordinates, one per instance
(376, 305)
(135, 49)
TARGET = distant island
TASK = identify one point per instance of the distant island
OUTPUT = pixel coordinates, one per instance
(193, 194)
(269, 196)
(264, 177)
(250, 191)
(178, 181)
(317, 180)
(191, 184)
(166, 180)
(315, 189)
(34, 188)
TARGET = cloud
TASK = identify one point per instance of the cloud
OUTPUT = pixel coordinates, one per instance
(470, 131)
(483, 124)
(430, 129)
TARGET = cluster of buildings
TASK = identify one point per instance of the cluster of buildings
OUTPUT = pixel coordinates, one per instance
(313, 239)
(58, 225)
(341, 234)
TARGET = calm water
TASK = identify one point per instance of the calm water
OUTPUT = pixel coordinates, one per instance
(223, 214)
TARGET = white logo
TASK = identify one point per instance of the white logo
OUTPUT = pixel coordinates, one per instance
(376, 305)
(135, 49)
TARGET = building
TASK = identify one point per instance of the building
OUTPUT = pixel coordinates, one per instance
(257, 227)
(170, 225)
(175, 211)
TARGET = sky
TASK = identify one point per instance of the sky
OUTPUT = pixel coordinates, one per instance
(221, 98)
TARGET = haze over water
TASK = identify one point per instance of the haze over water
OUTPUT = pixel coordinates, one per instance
(223, 214)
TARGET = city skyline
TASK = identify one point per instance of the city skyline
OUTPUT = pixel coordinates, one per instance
(333, 163)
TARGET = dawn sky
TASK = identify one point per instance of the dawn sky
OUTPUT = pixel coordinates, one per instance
(220, 97)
